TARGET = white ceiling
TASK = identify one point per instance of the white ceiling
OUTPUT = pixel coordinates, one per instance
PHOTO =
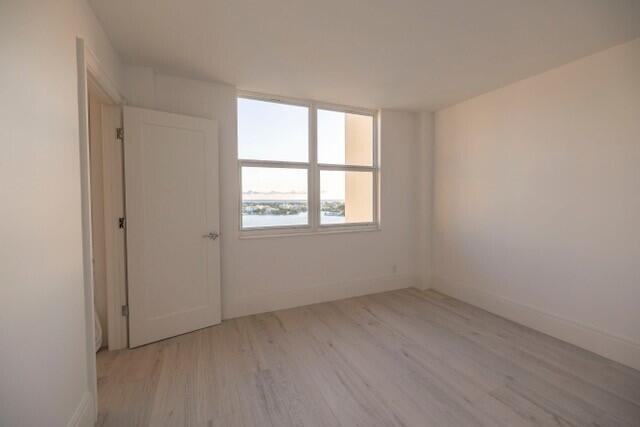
(404, 54)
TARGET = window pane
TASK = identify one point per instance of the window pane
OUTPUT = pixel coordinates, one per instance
(345, 138)
(346, 197)
(274, 197)
(272, 131)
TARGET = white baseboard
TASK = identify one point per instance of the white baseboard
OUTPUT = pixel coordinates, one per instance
(607, 345)
(262, 303)
(85, 413)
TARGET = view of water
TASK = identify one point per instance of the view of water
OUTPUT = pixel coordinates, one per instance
(279, 220)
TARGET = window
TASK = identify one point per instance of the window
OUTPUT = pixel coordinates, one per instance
(306, 167)
(274, 197)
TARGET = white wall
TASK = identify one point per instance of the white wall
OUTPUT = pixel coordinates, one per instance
(423, 170)
(263, 274)
(43, 359)
(537, 202)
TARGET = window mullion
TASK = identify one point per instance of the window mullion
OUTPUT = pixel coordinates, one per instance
(347, 168)
(314, 174)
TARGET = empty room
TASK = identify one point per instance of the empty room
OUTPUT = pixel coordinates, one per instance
(330, 213)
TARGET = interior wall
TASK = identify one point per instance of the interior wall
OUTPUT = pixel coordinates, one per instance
(43, 358)
(263, 274)
(423, 170)
(537, 202)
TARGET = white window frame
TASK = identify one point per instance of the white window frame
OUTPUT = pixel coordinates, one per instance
(313, 174)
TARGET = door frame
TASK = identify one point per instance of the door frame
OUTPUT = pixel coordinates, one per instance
(88, 66)
(114, 208)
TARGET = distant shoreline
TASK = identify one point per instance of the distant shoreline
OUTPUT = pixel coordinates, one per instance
(287, 200)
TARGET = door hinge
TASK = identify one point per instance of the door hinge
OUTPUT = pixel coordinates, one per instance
(122, 222)
(125, 310)
(120, 134)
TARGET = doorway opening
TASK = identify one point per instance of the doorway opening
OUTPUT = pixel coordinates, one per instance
(107, 219)
(102, 198)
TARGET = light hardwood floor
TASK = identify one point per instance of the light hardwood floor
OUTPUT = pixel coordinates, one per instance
(401, 358)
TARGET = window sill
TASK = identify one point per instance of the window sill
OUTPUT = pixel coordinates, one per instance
(284, 232)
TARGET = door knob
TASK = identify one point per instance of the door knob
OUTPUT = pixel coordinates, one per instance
(212, 236)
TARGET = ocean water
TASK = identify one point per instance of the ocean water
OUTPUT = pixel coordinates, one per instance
(280, 220)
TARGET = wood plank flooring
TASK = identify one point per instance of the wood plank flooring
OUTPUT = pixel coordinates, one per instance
(401, 358)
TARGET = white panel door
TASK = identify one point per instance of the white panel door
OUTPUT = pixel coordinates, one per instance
(173, 251)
